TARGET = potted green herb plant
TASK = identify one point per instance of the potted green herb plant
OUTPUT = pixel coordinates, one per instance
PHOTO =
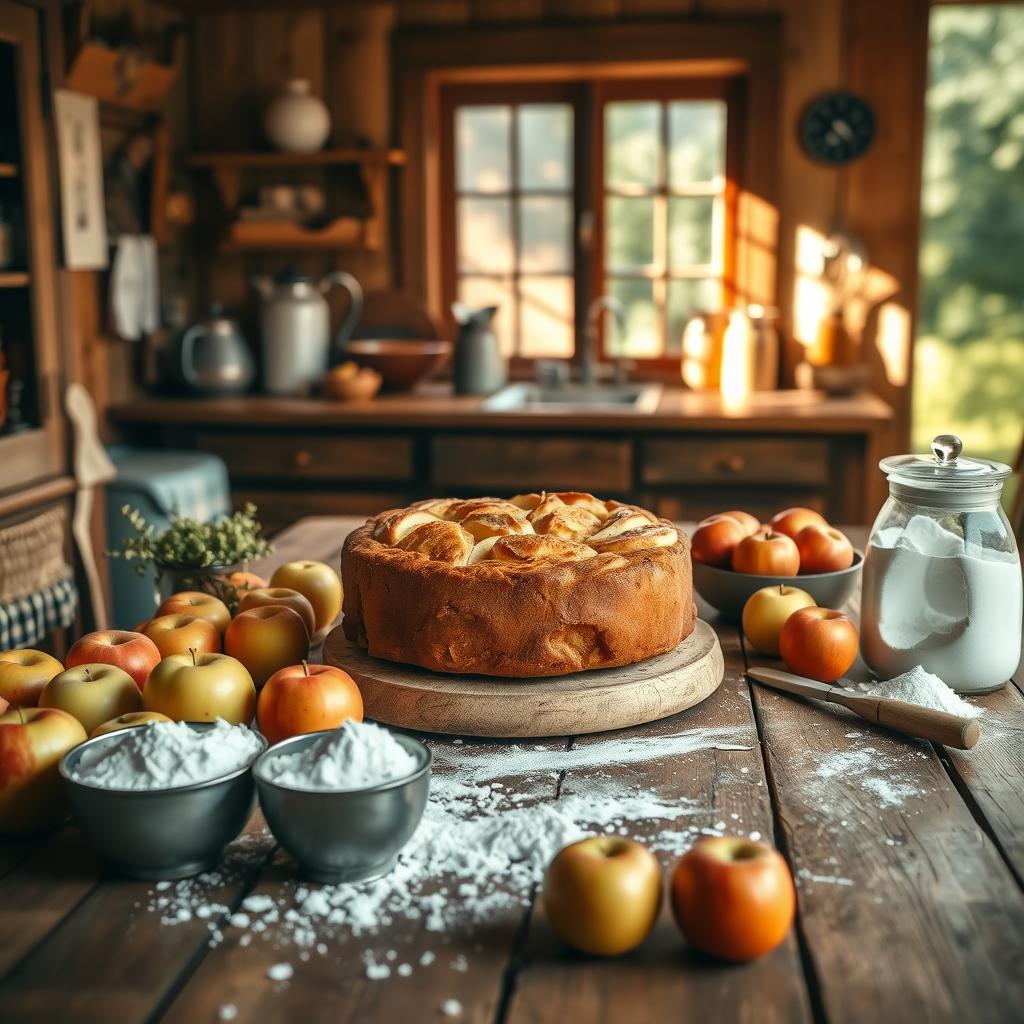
(190, 555)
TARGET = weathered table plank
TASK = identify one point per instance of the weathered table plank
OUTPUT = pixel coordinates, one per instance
(334, 986)
(664, 980)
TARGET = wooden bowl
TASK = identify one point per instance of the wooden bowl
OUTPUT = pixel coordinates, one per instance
(727, 591)
(402, 363)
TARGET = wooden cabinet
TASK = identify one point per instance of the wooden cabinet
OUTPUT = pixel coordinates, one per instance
(31, 432)
(515, 464)
(295, 458)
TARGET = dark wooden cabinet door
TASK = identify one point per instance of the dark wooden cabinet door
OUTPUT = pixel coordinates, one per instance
(28, 303)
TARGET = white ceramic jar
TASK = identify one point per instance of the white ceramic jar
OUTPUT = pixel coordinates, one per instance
(297, 121)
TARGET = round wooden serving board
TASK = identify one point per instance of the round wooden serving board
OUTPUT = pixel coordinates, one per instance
(596, 701)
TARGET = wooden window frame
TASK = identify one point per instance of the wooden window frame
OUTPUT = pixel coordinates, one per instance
(747, 51)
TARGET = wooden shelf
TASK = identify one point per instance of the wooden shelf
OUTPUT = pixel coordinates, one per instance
(342, 233)
(9, 170)
(321, 158)
(14, 279)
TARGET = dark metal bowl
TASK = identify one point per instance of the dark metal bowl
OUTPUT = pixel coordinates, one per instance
(345, 835)
(160, 833)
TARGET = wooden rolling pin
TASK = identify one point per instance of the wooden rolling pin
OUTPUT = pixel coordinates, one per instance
(924, 723)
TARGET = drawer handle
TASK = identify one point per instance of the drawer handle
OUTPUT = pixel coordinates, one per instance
(303, 458)
(732, 463)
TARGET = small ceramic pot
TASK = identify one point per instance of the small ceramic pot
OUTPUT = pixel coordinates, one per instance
(297, 121)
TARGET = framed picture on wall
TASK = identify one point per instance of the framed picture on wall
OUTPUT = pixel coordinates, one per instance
(81, 180)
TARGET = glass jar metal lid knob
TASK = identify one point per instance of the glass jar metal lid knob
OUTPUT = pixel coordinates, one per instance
(947, 448)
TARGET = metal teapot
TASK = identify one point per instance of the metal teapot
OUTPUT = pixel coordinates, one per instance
(215, 359)
(295, 327)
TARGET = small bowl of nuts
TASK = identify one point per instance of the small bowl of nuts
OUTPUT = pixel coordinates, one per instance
(350, 382)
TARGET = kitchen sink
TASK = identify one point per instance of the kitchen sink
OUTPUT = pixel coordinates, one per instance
(624, 398)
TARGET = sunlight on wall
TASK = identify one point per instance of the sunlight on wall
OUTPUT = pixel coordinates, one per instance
(810, 293)
(892, 340)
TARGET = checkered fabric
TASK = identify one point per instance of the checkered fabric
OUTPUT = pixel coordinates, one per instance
(26, 620)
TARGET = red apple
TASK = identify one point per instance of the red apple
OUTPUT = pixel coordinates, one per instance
(791, 521)
(602, 894)
(715, 540)
(24, 673)
(318, 583)
(134, 653)
(823, 549)
(283, 596)
(201, 688)
(132, 720)
(818, 643)
(92, 693)
(751, 524)
(766, 612)
(733, 897)
(766, 554)
(32, 743)
(199, 604)
(178, 634)
(307, 698)
(266, 639)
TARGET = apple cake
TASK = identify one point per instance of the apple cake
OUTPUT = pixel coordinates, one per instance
(536, 585)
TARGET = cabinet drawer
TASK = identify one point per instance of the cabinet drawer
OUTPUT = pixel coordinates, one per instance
(520, 464)
(312, 456)
(735, 459)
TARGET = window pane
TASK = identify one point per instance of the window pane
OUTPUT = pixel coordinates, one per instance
(696, 133)
(632, 141)
(545, 146)
(690, 230)
(484, 234)
(629, 232)
(641, 338)
(686, 298)
(545, 230)
(546, 316)
(482, 148)
(477, 292)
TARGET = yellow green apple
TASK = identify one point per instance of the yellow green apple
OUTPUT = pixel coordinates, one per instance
(92, 693)
(24, 673)
(318, 583)
(199, 604)
(766, 612)
(286, 597)
(179, 633)
(129, 721)
(266, 639)
(201, 688)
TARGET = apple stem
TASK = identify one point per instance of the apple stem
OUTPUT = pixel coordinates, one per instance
(192, 651)
(21, 714)
(305, 667)
(88, 673)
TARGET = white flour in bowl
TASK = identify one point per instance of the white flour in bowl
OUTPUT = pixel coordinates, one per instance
(357, 755)
(166, 755)
(931, 600)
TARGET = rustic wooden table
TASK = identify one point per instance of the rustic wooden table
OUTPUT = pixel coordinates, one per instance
(909, 909)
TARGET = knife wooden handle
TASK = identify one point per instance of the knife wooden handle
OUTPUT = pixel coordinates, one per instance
(925, 723)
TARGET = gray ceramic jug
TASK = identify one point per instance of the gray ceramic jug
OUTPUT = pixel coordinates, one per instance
(215, 358)
(479, 367)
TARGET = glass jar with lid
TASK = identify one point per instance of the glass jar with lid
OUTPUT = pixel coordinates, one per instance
(942, 577)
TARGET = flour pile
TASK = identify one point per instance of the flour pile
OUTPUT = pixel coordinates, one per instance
(919, 686)
(165, 755)
(482, 846)
(357, 755)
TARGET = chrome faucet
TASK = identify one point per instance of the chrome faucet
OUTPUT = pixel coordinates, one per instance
(588, 355)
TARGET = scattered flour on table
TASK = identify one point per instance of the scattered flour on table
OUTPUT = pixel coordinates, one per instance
(919, 686)
(164, 755)
(357, 755)
(491, 826)
(868, 769)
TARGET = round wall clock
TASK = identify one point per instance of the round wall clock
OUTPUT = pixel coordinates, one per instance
(837, 127)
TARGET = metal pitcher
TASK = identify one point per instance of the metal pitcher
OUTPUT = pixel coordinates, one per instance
(479, 365)
(295, 327)
(215, 359)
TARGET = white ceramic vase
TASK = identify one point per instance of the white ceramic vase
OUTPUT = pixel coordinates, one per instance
(297, 121)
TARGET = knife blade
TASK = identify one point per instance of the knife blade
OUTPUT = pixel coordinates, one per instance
(911, 719)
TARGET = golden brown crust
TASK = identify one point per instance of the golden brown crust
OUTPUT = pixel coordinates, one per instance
(521, 605)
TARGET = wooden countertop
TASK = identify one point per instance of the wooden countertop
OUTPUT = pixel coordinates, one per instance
(435, 406)
(907, 859)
